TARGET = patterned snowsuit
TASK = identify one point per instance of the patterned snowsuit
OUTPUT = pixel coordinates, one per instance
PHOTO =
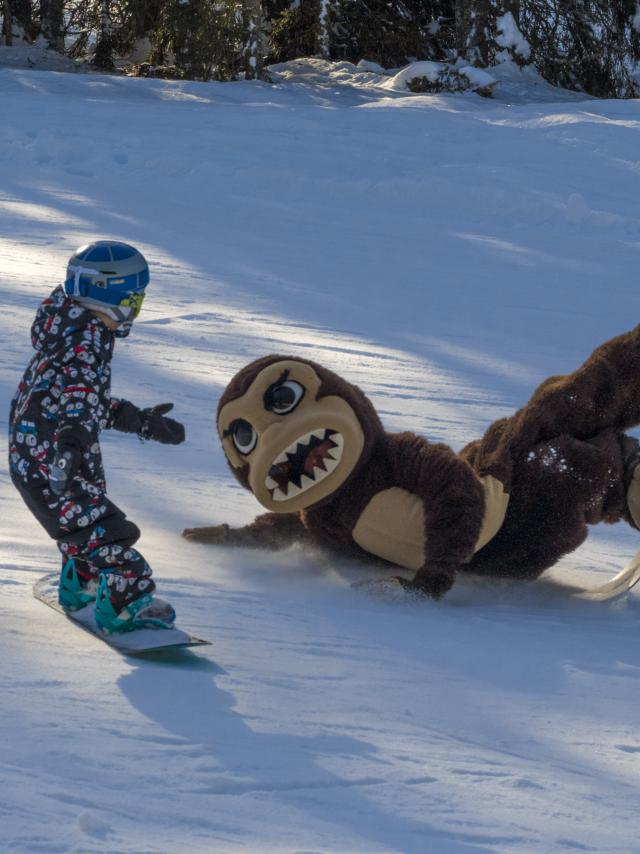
(67, 386)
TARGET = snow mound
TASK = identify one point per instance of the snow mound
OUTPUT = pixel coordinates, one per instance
(438, 76)
(342, 82)
(323, 72)
(37, 56)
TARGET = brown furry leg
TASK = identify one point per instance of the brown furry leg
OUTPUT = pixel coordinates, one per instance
(603, 394)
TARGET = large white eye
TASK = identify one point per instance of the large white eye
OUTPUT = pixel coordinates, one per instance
(283, 398)
(243, 435)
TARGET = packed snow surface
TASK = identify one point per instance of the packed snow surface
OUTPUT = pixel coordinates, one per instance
(444, 253)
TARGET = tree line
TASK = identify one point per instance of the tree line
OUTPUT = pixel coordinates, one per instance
(586, 45)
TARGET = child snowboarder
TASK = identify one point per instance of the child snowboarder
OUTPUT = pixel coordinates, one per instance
(62, 404)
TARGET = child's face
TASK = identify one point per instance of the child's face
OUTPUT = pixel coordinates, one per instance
(108, 321)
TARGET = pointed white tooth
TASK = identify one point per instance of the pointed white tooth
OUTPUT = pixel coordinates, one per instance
(304, 440)
(306, 482)
(281, 459)
(293, 490)
(318, 473)
(292, 448)
(337, 438)
(270, 483)
(330, 464)
(279, 495)
(319, 434)
(334, 454)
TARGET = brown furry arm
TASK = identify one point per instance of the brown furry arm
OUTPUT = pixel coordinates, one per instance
(269, 531)
(453, 500)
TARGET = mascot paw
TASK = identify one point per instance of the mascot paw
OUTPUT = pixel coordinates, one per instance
(212, 534)
(433, 583)
(390, 588)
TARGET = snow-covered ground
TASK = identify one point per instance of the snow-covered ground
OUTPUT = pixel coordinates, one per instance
(445, 253)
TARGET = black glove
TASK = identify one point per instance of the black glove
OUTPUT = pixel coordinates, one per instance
(128, 417)
(66, 464)
(155, 425)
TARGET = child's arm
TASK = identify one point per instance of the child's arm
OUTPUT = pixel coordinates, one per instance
(150, 423)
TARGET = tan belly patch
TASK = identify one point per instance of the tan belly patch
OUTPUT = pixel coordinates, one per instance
(392, 527)
(496, 501)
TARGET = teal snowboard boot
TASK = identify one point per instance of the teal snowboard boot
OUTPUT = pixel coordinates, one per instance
(73, 593)
(145, 612)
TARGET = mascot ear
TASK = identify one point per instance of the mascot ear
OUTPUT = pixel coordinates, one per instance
(293, 432)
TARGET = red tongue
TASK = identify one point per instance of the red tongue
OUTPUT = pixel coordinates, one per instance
(315, 457)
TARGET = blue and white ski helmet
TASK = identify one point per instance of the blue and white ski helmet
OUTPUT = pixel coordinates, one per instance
(110, 277)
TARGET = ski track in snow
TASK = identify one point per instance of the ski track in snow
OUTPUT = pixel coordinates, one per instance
(444, 253)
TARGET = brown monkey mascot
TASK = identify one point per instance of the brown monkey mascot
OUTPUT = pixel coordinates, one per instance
(311, 448)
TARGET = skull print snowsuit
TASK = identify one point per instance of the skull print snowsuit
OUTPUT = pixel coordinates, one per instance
(67, 387)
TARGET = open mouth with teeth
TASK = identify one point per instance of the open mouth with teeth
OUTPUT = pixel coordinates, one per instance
(304, 463)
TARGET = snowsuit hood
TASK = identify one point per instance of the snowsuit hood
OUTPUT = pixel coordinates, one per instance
(58, 318)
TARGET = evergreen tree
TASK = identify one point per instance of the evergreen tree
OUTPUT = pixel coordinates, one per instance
(202, 38)
(52, 23)
(485, 30)
(589, 45)
(103, 56)
(301, 29)
(23, 16)
(7, 22)
(390, 32)
(255, 42)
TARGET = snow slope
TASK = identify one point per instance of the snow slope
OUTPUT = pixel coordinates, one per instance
(445, 253)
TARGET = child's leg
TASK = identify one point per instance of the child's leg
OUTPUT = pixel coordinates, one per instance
(96, 534)
(106, 547)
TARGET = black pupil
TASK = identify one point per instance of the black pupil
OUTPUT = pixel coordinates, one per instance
(282, 397)
(243, 431)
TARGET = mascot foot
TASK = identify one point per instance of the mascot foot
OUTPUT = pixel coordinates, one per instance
(212, 534)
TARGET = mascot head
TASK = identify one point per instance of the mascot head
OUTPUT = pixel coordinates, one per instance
(294, 432)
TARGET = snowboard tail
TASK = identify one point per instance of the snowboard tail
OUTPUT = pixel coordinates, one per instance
(617, 586)
(136, 642)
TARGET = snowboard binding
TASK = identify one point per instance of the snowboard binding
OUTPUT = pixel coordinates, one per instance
(73, 594)
(146, 612)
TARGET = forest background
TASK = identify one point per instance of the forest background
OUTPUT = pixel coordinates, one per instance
(592, 46)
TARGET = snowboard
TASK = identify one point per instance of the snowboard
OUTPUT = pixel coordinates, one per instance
(136, 642)
(390, 588)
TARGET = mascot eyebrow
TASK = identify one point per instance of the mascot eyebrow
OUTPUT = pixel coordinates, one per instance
(268, 400)
(268, 395)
